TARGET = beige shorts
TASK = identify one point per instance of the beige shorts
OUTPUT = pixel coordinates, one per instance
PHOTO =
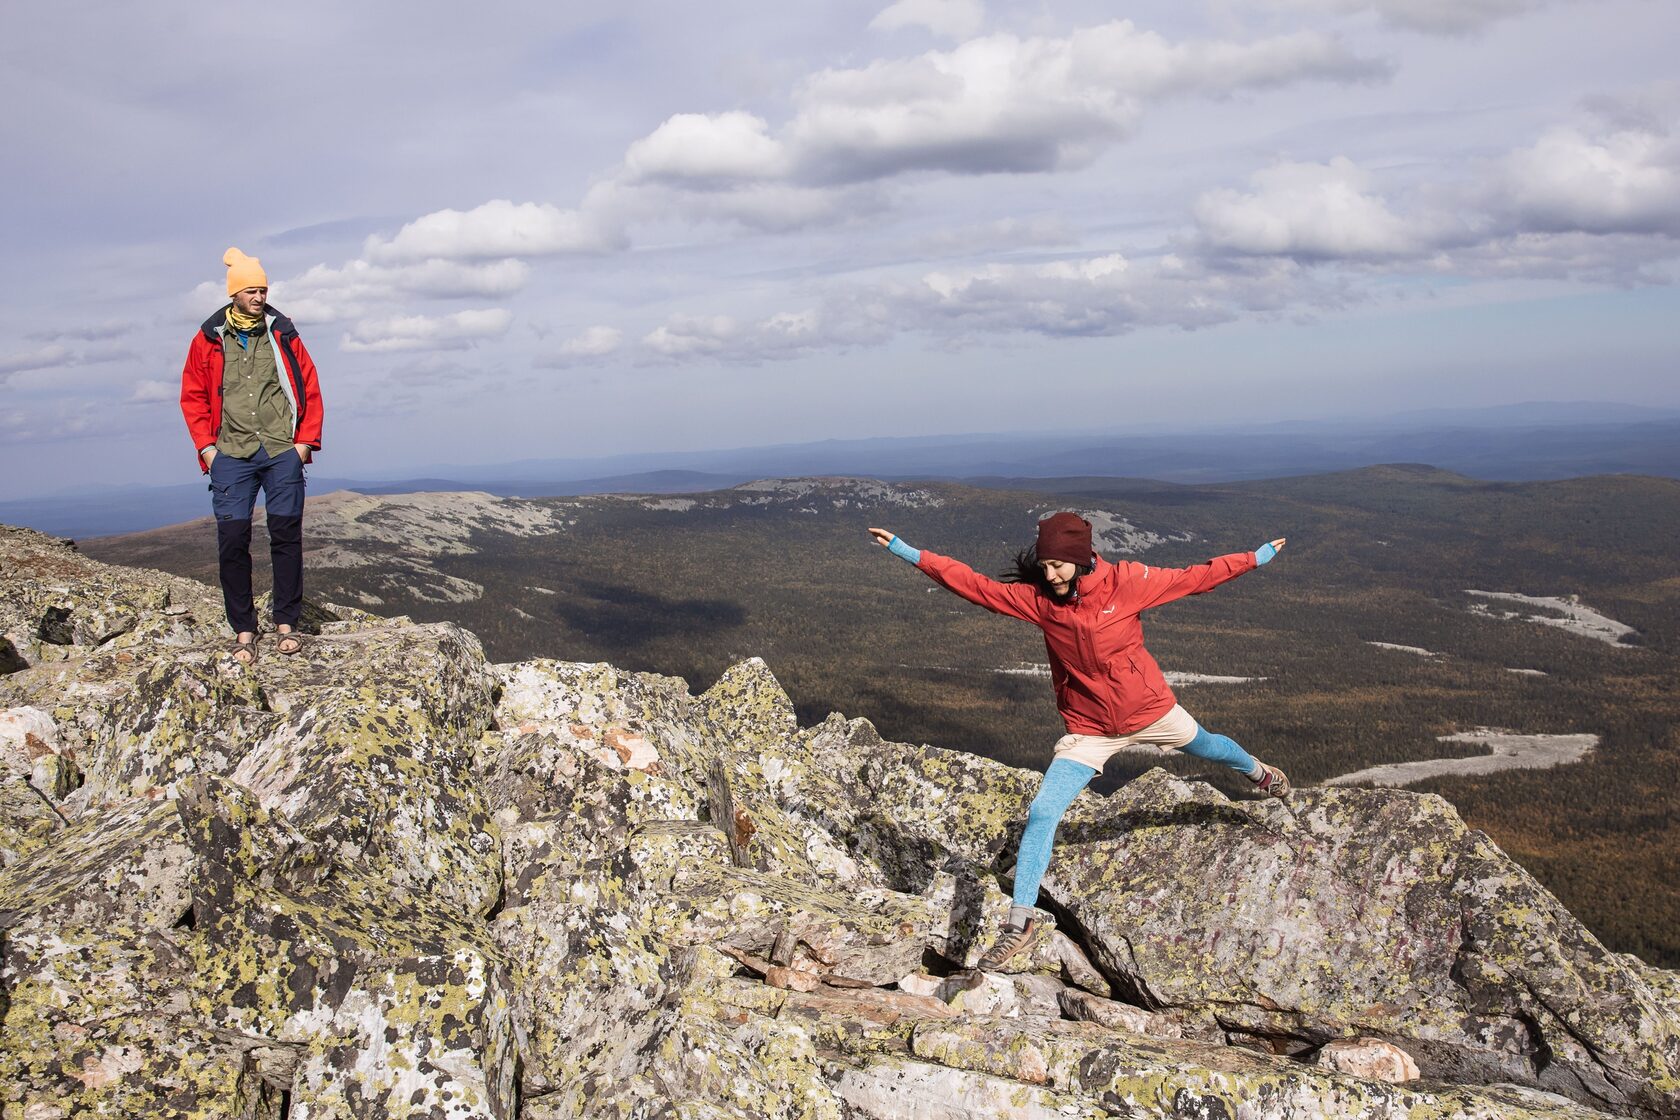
(1166, 734)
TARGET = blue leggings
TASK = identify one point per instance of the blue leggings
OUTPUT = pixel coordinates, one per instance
(1062, 783)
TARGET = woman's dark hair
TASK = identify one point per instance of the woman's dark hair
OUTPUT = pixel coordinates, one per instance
(1026, 570)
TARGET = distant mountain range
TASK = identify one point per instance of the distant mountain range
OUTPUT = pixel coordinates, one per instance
(1527, 442)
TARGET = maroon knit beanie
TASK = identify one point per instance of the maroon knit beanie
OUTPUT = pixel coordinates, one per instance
(1065, 536)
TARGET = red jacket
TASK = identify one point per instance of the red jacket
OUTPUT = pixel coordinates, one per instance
(1106, 682)
(201, 381)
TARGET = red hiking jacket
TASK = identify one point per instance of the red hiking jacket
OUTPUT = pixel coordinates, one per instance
(1106, 682)
(201, 381)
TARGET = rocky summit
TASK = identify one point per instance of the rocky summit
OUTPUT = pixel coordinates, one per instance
(384, 878)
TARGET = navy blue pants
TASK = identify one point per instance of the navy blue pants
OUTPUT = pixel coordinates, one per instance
(233, 487)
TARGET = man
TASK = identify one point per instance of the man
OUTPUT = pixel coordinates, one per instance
(253, 408)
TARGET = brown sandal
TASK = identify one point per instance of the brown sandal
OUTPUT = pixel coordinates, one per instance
(280, 640)
(235, 647)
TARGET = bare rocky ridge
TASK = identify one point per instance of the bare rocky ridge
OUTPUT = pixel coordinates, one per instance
(386, 878)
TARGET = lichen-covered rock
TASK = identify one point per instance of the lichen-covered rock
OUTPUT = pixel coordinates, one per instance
(152, 951)
(1144, 1078)
(894, 1088)
(1348, 912)
(95, 972)
(59, 604)
(27, 819)
(915, 810)
(694, 1065)
(1084, 1007)
(33, 778)
(175, 718)
(384, 879)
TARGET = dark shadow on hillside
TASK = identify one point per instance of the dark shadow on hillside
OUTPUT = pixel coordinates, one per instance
(632, 616)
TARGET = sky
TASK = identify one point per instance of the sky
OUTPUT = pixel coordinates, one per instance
(511, 231)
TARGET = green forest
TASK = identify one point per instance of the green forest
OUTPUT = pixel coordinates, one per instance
(1384, 554)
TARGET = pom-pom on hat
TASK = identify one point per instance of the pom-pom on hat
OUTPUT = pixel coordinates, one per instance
(1066, 537)
(243, 272)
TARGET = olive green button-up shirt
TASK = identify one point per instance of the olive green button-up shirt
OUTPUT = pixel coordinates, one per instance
(255, 409)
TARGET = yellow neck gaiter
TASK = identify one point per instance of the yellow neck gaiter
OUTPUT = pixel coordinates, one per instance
(244, 324)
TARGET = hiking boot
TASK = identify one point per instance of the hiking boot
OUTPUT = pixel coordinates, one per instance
(1011, 943)
(1272, 782)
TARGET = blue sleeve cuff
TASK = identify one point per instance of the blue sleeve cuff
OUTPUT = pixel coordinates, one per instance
(903, 551)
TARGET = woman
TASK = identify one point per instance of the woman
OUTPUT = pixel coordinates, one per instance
(1110, 692)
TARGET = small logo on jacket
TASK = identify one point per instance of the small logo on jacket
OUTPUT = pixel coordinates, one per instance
(1110, 608)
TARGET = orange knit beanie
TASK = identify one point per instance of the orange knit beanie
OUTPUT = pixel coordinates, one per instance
(243, 272)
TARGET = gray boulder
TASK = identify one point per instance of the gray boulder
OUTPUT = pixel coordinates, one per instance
(1360, 912)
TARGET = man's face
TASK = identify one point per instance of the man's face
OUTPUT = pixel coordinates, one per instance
(250, 301)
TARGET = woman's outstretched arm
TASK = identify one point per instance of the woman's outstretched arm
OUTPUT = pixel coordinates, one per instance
(1017, 600)
(892, 544)
(1153, 586)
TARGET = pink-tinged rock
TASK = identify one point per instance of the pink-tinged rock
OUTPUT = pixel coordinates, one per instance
(25, 735)
(792, 979)
(1370, 1058)
(634, 751)
(107, 1067)
(1085, 1007)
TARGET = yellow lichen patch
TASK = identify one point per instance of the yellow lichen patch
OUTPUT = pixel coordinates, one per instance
(92, 1024)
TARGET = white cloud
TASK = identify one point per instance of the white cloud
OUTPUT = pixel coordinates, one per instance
(1306, 210)
(1624, 181)
(777, 337)
(773, 207)
(954, 19)
(1003, 103)
(1596, 258)
(1597, 202)
(426, 332)
(1103, 295)
(94, 332)
(591, 345)
(152, 392)
(687, 335)
(207, 296)
(1535, 211)
(53, 356)
(56, 355)
(698, 147)
(325, 295)
(496, 229)
(593, 342)
(1000, 103)
(359, 288)
(1099, 295)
